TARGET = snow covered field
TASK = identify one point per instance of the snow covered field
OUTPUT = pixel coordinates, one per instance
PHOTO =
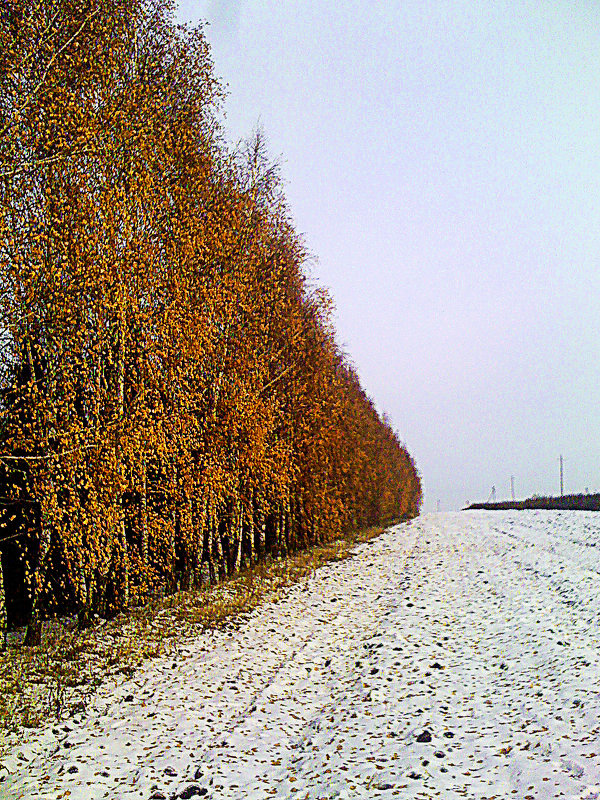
(455, 656)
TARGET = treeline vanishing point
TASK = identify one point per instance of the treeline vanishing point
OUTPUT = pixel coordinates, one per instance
(173, 405)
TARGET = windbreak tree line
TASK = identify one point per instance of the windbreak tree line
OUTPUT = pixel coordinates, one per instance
(173, 405)
(565, 502)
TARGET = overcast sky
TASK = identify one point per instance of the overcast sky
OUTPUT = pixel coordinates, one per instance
(442, 160)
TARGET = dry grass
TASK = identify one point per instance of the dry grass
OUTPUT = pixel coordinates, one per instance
(58, 678)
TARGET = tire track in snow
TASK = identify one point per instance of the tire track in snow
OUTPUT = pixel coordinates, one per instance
(150, 735)
(456, 656)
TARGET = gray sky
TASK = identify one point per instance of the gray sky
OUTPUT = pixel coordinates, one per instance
(442, 160)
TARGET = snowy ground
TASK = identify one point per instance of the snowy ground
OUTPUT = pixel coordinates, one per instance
(456, 656)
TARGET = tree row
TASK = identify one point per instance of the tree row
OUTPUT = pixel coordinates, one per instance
(173, 405)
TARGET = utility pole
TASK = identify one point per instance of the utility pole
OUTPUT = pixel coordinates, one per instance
(561, 475)
(512, 486)
(438, 506)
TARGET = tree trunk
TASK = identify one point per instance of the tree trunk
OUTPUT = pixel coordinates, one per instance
(33, 635)
(173, 580)
(281, 537)
(260, 536)
(218, 548)
(119, 460)
(187, 544)
(3, 616)
(207, 542)
(238, 522)
(248, 540)
(196, 553)
(84, 614)
(144, 514)
(125, 561)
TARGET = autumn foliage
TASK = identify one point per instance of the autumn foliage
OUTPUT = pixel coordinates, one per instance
(173, 405)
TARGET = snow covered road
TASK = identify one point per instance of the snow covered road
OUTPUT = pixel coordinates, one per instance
(454, 656)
